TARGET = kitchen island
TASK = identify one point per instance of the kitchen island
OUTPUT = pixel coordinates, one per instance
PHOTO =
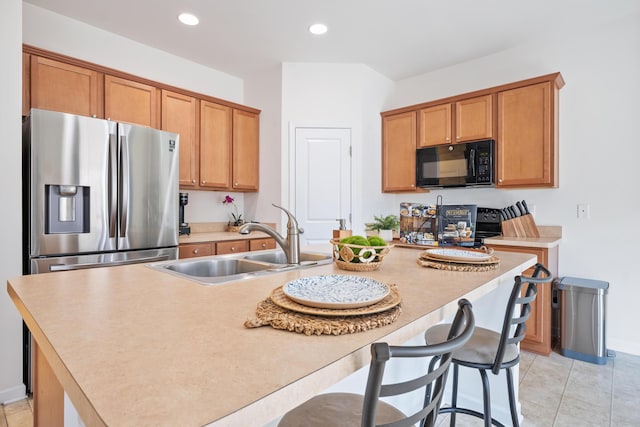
(133, 346)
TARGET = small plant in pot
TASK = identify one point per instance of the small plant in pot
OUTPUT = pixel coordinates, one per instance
(384, 225)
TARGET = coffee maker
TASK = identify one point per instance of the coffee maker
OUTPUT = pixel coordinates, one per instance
(184, 227)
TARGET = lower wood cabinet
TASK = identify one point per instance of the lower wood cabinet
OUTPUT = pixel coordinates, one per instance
(262, 244)
(232, 247)
(538, 338)
(191, 250)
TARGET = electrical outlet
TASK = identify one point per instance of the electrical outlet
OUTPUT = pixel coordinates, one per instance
(583, 211)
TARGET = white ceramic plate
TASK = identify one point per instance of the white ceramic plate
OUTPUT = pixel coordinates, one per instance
(335, 291)
(458, 254)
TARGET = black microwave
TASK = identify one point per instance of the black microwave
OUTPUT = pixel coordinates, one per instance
(456, 165)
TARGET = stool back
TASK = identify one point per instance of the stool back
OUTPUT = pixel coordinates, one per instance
(518, 318)
(460, 332)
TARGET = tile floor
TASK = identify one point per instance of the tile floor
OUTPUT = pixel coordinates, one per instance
(554, 392)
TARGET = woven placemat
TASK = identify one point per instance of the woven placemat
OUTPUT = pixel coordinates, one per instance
(270, 314)
(453, 266)
(388, 302)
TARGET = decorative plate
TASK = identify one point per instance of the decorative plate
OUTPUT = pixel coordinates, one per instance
(280, 299)
(457, 255)
(335, 291)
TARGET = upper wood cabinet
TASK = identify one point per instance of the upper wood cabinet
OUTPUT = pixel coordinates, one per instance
(246, 153)
(130, 101)
(215, 145)
(434, 125)
(527, 148)
(474, 119)
(522, 117)
(58, 86)
(399, 152)
(219, 139)
(180, 114)
(26, 83)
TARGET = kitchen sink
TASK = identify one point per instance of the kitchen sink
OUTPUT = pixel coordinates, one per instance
(216, 267)
(226, 268)
(279, 257)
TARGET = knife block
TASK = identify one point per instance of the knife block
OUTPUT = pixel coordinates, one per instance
(522, 226)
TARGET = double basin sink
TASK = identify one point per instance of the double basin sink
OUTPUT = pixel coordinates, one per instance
(225, 268)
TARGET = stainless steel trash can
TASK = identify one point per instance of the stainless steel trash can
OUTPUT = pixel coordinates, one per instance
(583, 304)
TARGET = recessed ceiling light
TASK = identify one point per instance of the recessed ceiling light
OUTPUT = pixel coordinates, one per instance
(318, 29)
(188, 19)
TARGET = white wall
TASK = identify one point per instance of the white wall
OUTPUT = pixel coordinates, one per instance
(340, 95)
(263, 90)
(598, 153)
(11, 386)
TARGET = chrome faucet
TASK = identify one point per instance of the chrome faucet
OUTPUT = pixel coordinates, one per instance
(290, 245)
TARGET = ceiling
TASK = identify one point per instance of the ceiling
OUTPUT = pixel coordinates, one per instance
(397, 38)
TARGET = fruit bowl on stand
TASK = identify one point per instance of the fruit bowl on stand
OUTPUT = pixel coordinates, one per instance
(354, 255)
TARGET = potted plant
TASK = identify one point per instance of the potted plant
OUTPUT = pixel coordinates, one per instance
(237, 217)
(384, 225)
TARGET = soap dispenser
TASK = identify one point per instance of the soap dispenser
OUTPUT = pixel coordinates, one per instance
(342, 231)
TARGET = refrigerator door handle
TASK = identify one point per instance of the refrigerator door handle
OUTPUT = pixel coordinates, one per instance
(112, 183)
(124, 185)
(69, 267)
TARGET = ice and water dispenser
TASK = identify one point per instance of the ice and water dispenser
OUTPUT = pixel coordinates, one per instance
(66, 209)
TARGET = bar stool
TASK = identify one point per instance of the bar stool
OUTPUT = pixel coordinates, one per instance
(489, 350)
(348, 409)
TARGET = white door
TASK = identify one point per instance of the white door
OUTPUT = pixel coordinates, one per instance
(322, 180)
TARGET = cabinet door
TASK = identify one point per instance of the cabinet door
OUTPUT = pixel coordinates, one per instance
(246, 151)
(63, 87)
(192, 250)
(435, 125)
(538, 337)
(180, 115)
(399, 152)
(474, 119)
(131, 102)
(232, 247)
(215, 146)
(26, 83)
(262, 244)
(527, 152)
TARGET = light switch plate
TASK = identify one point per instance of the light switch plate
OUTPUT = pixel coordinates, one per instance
(583, 211)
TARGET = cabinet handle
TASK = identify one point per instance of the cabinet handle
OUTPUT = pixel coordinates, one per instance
(457, 137)
(235, 184)
(264, 245)
(193, 181)
(233, 248)
(195, 251)
(500, 180)
(203, 182)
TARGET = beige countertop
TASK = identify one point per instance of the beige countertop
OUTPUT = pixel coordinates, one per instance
(550, 237)
(133, 346)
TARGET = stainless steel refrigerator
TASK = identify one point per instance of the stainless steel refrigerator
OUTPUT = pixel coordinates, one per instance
(96, 193)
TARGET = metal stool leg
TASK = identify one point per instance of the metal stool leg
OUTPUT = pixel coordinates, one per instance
(512, 399)
(486, 397)
(454, 395)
